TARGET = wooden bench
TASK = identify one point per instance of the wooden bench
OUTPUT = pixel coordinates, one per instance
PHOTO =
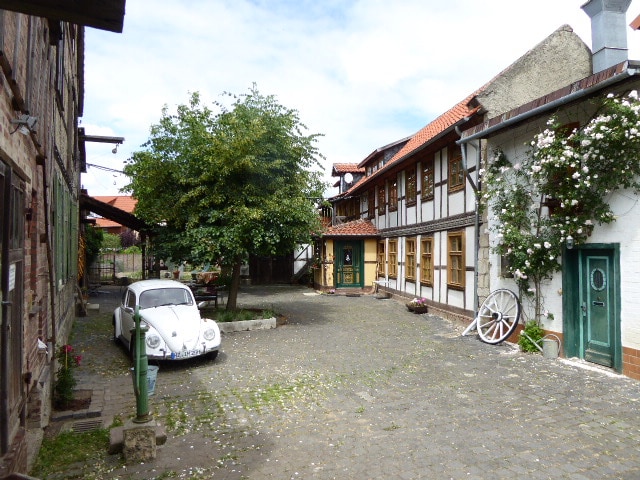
(207, 293)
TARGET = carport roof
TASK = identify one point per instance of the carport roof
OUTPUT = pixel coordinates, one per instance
(113, 213)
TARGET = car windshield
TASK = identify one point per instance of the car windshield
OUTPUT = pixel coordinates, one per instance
(159, 297)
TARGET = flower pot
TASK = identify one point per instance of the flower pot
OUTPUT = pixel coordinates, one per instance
(417, 308)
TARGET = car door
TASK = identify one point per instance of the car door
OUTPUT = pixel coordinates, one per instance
(127, 310)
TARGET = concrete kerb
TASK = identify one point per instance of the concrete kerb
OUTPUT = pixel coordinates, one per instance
(247, 325)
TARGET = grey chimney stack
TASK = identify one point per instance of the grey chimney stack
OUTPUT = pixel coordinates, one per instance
(608, 32)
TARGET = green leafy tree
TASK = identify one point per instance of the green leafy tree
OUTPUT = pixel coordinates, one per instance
(93, 242)
(222, 185)
(111, 241)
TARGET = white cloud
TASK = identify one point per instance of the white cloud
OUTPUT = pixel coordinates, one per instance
(364, 73)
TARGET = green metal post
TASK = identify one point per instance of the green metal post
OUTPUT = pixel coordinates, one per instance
(140, 368)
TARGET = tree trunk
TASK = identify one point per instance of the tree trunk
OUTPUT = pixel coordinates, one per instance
(232, 301)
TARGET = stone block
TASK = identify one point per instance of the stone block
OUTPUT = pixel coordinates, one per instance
(139, 442)
(116, 437)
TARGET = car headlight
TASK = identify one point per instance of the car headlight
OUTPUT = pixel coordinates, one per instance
(153, 341)
(209, 334)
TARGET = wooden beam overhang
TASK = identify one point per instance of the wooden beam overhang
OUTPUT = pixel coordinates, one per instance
(113, 213)
(104, 15)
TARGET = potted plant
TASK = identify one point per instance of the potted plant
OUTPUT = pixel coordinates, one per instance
(418, 305)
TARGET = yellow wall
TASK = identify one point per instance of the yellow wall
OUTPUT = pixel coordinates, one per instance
(370, 258)
(323, 277)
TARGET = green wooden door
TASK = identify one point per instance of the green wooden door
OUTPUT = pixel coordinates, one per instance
(598, 307)
(349, 264)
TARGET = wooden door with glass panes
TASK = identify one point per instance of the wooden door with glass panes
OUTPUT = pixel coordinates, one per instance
(349, 264)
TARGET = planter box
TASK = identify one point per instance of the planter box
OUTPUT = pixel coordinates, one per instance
(418, 309)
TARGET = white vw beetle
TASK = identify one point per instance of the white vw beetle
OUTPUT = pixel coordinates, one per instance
(176, 330)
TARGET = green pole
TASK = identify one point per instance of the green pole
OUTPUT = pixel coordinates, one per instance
(140, 368)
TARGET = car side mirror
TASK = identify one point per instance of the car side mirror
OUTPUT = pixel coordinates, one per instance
(128, 310)
(202, 305)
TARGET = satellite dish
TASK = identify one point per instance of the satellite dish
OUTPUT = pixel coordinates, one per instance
(348, 177)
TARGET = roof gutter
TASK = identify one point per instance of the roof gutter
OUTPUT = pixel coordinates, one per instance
(630, 71)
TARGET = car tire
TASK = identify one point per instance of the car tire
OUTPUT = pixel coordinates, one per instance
(132, 350)
(116, 340)
(213, 355)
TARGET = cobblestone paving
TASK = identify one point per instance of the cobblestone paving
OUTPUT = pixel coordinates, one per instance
(360, 388)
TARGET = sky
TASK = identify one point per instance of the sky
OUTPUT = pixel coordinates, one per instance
(362, 73)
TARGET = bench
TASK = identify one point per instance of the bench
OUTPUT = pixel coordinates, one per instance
(207, 293)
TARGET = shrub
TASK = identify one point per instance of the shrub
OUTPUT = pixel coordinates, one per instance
(535, 333)
(65, 380)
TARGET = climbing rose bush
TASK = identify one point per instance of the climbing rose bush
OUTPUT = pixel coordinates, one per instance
(561, 189)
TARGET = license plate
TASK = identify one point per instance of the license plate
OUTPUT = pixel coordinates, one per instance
(185, 354)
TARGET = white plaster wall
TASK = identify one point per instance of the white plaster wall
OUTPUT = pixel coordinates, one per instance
(427, 211)
(455, 297)
(411, 214)
(392, 218)
(625, 231)
(440, 272)
(456, 202)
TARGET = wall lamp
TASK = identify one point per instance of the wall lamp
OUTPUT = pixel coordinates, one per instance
(570, 242)
(25, 123)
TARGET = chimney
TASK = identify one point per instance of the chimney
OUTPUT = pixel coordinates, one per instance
(608, 32)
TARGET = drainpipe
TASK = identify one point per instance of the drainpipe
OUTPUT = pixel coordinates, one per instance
(52, 277)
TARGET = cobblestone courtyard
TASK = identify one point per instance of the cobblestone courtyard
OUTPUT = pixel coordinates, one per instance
(360, 388)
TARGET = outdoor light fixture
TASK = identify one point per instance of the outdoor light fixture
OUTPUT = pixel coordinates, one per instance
(25, 123)
(569, 242)
(115, 150)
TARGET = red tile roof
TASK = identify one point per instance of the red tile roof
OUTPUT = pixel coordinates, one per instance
(360, 227)
(458, 112)
(106, 223)
(125, 203)
(339, 168)
(380, 151)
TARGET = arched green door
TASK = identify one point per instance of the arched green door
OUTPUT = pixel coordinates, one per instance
(349, 264)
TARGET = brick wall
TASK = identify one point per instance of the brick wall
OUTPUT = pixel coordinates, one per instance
(631, 362)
